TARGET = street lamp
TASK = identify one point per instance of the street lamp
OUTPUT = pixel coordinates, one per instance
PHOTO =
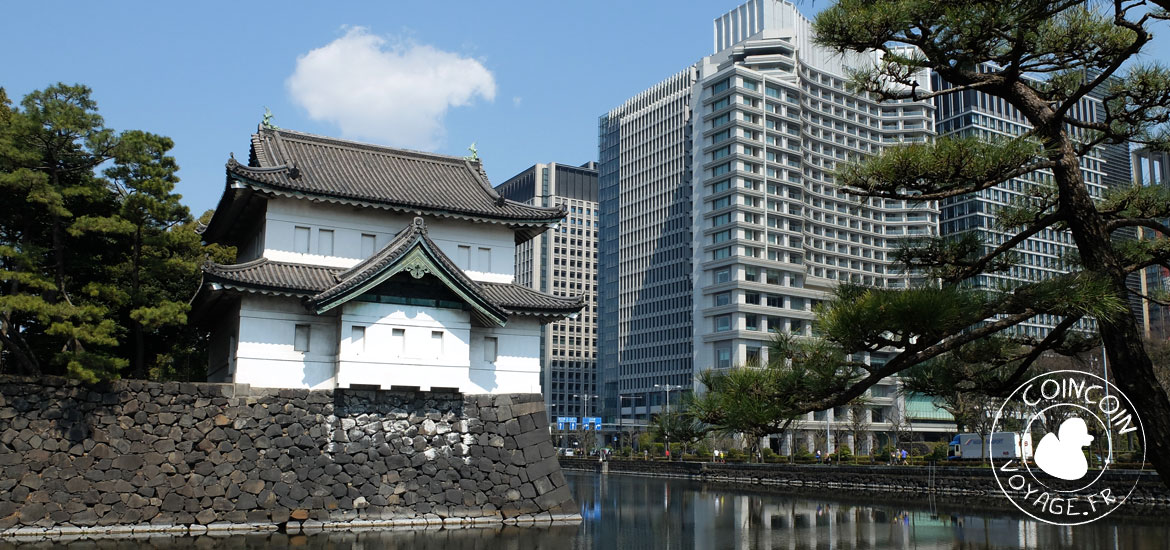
(621, 404)
(665, 433)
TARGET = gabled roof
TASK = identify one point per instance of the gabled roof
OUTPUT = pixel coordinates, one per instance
(284, 162)
(411, 250)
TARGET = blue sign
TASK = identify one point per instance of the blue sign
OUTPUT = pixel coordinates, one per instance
(570, 420)
(594, 420)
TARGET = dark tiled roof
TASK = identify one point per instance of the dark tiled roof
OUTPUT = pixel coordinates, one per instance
(330, 168)
(264, 274)
(322, 285)
(521, 298)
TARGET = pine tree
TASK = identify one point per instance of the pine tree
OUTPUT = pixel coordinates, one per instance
(56, 304)
(143, 178)
(1042, 58)
(95, 272)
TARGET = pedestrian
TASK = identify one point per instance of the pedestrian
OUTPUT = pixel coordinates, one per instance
(818, 456)
(904, 455)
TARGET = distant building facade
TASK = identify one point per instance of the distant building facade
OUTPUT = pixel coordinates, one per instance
(1152, 168)
(973, 113)
(563, 262)
(367, 266)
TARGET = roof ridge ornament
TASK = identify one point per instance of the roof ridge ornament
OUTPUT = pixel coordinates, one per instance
(418, 225)
(474, 156)
(266, 123)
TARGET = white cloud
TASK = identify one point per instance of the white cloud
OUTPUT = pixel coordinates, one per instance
(395, 94)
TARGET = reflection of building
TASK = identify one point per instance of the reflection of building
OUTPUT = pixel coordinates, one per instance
(362, 265)
(563, 262)
(1152, 168)
(722, 221)
(648, 512)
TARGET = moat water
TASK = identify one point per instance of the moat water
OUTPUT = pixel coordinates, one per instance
(623, 511)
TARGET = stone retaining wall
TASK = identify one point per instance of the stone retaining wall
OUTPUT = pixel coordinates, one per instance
(886, 480)
(136, 453)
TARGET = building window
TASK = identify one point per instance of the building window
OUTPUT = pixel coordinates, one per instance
(723, 323)
(325, 242)
(752, 321)
(437, 343)
(301, 239)
(369, 243)
(301, 338)
(753, 355)
(485, 260)
(723, 298)
(398, 342)
(723, 275)
(490, 348)
(723, 357)
(357, 338)
(463, 259)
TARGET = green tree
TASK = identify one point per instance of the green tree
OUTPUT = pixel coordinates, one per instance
(95, 272)
(757, 400)
(158, 254)
(1042, 58)
(678, 427)
(56, 302)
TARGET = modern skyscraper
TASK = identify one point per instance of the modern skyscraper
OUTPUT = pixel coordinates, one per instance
(725, 170)
(972, 113)
(563, 262)
(644, 179)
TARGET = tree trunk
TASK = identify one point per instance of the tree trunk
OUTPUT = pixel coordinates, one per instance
(17, 348)
(1134, 371)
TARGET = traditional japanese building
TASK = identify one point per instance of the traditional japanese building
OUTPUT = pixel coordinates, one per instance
(368, 266)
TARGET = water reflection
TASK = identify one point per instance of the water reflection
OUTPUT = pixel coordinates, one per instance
(632, 512)
(628, 512)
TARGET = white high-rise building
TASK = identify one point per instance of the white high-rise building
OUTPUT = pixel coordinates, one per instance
(732, 160)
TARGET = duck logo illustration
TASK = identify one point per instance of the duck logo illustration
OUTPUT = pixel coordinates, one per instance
(1061, 456)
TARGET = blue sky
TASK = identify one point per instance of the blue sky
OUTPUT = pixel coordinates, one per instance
(525, 80)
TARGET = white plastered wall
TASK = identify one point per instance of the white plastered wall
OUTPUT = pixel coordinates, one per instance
(265, 355)
(490, 253)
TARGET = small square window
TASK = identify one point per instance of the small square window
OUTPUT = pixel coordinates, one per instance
(357, 338)
(369, 243)
(301, 336)
(398, 342)
(301, 239)
(490, 349)
(325, 242)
